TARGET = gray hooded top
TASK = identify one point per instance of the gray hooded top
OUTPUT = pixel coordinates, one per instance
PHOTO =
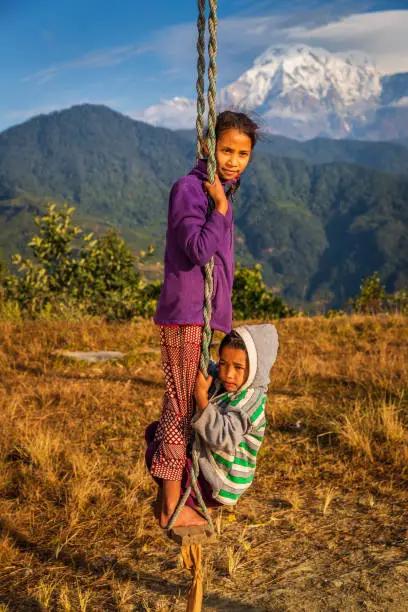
(231, 428)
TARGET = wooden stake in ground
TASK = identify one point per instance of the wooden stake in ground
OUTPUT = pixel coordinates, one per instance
(191, 540)
(192, 558)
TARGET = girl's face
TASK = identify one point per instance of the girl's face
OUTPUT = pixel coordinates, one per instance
(232, 153)
(232, 368)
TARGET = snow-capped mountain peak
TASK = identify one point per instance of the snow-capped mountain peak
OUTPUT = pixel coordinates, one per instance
(337, 81)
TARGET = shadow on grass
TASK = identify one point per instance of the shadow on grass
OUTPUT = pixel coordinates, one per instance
(120, 571)
(16, 603)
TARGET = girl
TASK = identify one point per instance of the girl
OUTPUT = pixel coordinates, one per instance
(192, 239)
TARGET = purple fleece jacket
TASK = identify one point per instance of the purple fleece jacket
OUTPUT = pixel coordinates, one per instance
(191, 241)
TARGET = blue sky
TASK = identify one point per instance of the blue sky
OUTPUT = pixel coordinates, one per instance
(63, 52)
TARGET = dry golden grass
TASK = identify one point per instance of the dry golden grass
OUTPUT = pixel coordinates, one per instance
(323, 528)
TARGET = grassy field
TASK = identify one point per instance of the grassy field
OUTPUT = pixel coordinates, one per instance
(323, 528)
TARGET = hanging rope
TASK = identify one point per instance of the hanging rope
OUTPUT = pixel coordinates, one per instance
(200, 78)
(212, 88)
(212, 168)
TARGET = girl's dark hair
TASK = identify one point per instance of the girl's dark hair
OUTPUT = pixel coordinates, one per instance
(233, 120)
(233, 340)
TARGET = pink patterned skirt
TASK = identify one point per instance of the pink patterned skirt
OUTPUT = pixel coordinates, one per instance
(180, 352)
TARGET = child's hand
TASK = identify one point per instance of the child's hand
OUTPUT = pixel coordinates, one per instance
(216, 191)
(201, 388)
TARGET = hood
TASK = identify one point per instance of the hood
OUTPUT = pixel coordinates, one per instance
(261, 342)
(200, 171)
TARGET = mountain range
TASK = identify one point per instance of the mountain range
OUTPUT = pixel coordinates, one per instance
(304, 92)
(316, 227)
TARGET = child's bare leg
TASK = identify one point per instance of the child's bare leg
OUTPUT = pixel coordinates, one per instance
(158, 503)
(171, 496)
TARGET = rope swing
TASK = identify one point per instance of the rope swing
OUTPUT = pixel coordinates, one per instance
(192, 538)
(212, 168)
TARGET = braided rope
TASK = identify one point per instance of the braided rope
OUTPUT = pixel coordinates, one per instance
(212, 82)
(200, 78)
(212, 168)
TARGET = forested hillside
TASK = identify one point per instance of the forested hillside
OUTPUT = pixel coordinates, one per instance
(107, 163)
(327, 226)
(317, 227)
(385, 156)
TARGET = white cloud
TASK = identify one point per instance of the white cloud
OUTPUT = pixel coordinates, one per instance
(401, 102)
(237, 37)
(382, 35)
(179, 113)
(95, 59)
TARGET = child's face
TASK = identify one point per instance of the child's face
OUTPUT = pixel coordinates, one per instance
(233, 151)
(233, 368)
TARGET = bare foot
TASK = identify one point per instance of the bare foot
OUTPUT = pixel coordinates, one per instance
(209, 510)
(186, 518)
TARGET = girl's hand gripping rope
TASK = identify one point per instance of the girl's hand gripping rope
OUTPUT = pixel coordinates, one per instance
(201, 389)
(217, 193)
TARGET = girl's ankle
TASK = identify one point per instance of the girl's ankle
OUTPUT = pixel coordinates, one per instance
(168, 508)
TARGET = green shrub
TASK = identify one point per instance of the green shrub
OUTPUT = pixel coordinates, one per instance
(333, 314)
(374, 299)
(398, 301)
(96, 276)
(251, 299)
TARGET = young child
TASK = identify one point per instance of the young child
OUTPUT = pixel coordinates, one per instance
(230, 416)
(193, 238)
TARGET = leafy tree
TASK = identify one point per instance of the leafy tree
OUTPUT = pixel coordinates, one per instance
(398, 301)
(252, 300)
(109, 283)
(69, 270)
(372, 298)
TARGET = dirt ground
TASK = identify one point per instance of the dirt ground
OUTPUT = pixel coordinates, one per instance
(324, 527)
